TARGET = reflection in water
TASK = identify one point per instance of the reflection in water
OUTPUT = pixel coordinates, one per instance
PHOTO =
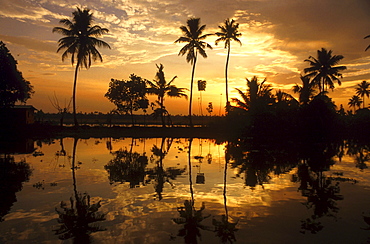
(127, 166)
(158, 173)
(76, 221)
(224, 229)
(12, 176)
(190, 218)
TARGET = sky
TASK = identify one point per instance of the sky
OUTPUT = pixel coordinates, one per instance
(277, 36)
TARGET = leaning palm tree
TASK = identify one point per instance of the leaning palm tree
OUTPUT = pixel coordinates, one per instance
(80, 43)
(228, 33)
(193, 37)
(369, 45)
(363, 89)
(354, 101)
(162, 88)
(323, 69)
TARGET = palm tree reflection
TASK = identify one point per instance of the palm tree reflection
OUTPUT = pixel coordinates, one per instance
(224, 229)
(190, 218)
(76, 220)
(158, 173)
(322, 192)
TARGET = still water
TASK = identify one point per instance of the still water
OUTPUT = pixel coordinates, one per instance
(182, 191)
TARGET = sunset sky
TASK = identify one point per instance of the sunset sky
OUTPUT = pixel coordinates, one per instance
(277, 36)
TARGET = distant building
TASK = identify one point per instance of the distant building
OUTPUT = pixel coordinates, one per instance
(19, 115)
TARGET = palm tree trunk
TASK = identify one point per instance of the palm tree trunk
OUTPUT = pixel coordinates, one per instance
(363, 100)
(190, 176)
(74, 95)
(191, 90)
(161, 101)
(74, 168)
(226, 69)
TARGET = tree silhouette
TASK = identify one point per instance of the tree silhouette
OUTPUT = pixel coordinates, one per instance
(306, 91)
(354, 101)
(258, 95)
(228, 32)
(162, 88)
(13, 87)
(363, 89)
(193, 37)
(128, 95)
(323, 71)
(80, 43)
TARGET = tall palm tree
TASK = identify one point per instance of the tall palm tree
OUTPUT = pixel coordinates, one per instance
(306, 91)
(193, 37)
(80, 43)
(323, 69)
(229, 32)
(162, 88)
(363, 89)
(369, 45)
(354, 101)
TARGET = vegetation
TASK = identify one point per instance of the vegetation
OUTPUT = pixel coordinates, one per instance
(162, 88)
(13, 87)
(80, 43)
(128, 96)
(228, 32)
(193, 37)
(323, 71)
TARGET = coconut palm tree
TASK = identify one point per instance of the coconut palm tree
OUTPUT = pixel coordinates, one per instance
(354, 101)
(363, 89)
(323, 69)
(162, 88)
(369, 45)
(229, 32)
(257, 95)
(306, 91)
(80, 43)
(193, 37)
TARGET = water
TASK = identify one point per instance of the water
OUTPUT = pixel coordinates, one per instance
(132, 191)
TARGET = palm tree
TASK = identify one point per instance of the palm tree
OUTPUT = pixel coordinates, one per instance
(193, 36)
(258, 94)
(322, 69)
(80, 43)
(228, 33)
(355, 101)
(306, 91)
(369, 45)
(363, 89)
(162, 88)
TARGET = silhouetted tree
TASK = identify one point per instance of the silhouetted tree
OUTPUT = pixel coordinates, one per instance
(80, 43)
(162, 88)
(363, 89)
(306, 91)
(13, 87)
(323, 71)
(228, 32)
(61, 110)
(193, 37)
(128, 95)
(354, 101)
(258, 95)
